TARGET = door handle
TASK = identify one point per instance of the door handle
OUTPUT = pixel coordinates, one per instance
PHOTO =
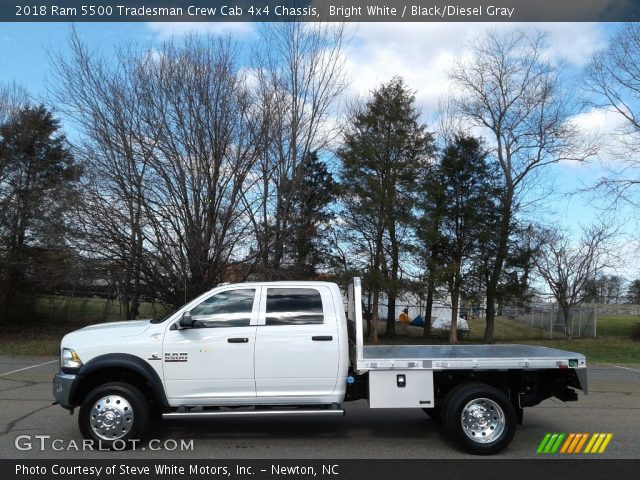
(238, 340)
(322, 338)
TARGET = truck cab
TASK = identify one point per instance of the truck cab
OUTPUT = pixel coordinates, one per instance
(271, 343)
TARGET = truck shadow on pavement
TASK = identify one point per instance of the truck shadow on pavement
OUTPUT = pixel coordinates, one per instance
(381, 425)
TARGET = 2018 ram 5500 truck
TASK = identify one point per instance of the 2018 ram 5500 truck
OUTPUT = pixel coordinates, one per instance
(290, 348)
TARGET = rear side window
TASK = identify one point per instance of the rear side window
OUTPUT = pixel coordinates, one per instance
(294, 306)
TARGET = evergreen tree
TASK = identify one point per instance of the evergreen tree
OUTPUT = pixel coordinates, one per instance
(514, 286)
(37, 182)
(384, 149)
(633, 292)
(466, 193)
(309, 213)
(430, 245)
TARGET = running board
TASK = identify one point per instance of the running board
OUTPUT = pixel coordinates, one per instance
(254, 413)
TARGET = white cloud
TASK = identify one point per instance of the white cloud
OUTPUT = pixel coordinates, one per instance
(424, 53)
(598, 121)
(421, 53)
(574, 42)
(251, 77)
(608, 128)
(176, 29)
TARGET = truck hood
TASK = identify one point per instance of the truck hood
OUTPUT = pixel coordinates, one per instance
(108, 331)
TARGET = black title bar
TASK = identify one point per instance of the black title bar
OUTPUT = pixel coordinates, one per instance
(329, 469)
(319, 10)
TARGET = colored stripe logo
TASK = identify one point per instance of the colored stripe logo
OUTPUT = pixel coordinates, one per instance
(574, 443)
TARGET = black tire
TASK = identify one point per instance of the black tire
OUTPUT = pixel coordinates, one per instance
(121, 414)
(434, 414)
(497, 418)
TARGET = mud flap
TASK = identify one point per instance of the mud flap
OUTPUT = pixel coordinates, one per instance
(581, 373)
(519, 415)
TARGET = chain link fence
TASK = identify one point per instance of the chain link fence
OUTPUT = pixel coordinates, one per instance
(549, 319)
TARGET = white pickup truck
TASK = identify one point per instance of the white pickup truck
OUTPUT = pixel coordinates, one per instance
(290, 348)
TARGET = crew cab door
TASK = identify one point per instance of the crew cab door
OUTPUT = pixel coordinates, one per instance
(213, 362)
(297, 348)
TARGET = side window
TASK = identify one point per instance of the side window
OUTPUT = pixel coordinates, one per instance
(231, 308)
(294, 306)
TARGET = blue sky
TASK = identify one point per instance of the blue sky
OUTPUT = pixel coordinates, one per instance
(421, 53)
(23, 47)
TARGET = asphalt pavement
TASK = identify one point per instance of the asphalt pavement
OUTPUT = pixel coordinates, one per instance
(31, 427)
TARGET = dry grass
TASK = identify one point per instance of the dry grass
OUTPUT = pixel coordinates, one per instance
(613, 344)
(56, 316)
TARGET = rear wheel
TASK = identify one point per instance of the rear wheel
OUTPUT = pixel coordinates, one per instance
(480, 418)
(113, 414)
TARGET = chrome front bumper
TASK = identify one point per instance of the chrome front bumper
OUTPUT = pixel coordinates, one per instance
(63, 386)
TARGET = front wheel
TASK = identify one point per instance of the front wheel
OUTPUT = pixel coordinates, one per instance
(480, 418)
(112, 414)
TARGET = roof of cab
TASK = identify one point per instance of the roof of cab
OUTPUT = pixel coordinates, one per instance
(281, 283)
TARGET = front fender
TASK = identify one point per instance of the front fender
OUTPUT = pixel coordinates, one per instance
(125, 361)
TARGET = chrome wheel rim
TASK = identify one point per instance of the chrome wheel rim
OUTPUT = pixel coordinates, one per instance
(483, 420)
(111, 417)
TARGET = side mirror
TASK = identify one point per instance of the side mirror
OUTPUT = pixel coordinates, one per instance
(186, 321)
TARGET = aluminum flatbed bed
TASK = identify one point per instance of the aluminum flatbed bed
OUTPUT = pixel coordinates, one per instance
(486, 357)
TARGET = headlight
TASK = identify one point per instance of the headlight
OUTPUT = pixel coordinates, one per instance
(70, 358)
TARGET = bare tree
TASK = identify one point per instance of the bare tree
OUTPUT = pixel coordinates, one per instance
(172, 138)
(511, 91)
(449, 123)
(362, 234)
(568, 267)
(299, 70)
(12, 97)
(208, 130)
(102, 99)
(612, 81)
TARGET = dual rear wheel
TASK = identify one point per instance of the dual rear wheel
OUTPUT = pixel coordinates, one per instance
(480, 418)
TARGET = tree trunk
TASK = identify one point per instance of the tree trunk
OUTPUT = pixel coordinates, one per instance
(453, 330)
(12, 285)
(393, 284)
(490, 315)
(278, 249)
(373, 331)
(265, 237)
(391, 314)
(426, 332)
(375, 280)
(124, 297)
(501, 255)
(367, 314)
(568, 320)
(454, 291)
